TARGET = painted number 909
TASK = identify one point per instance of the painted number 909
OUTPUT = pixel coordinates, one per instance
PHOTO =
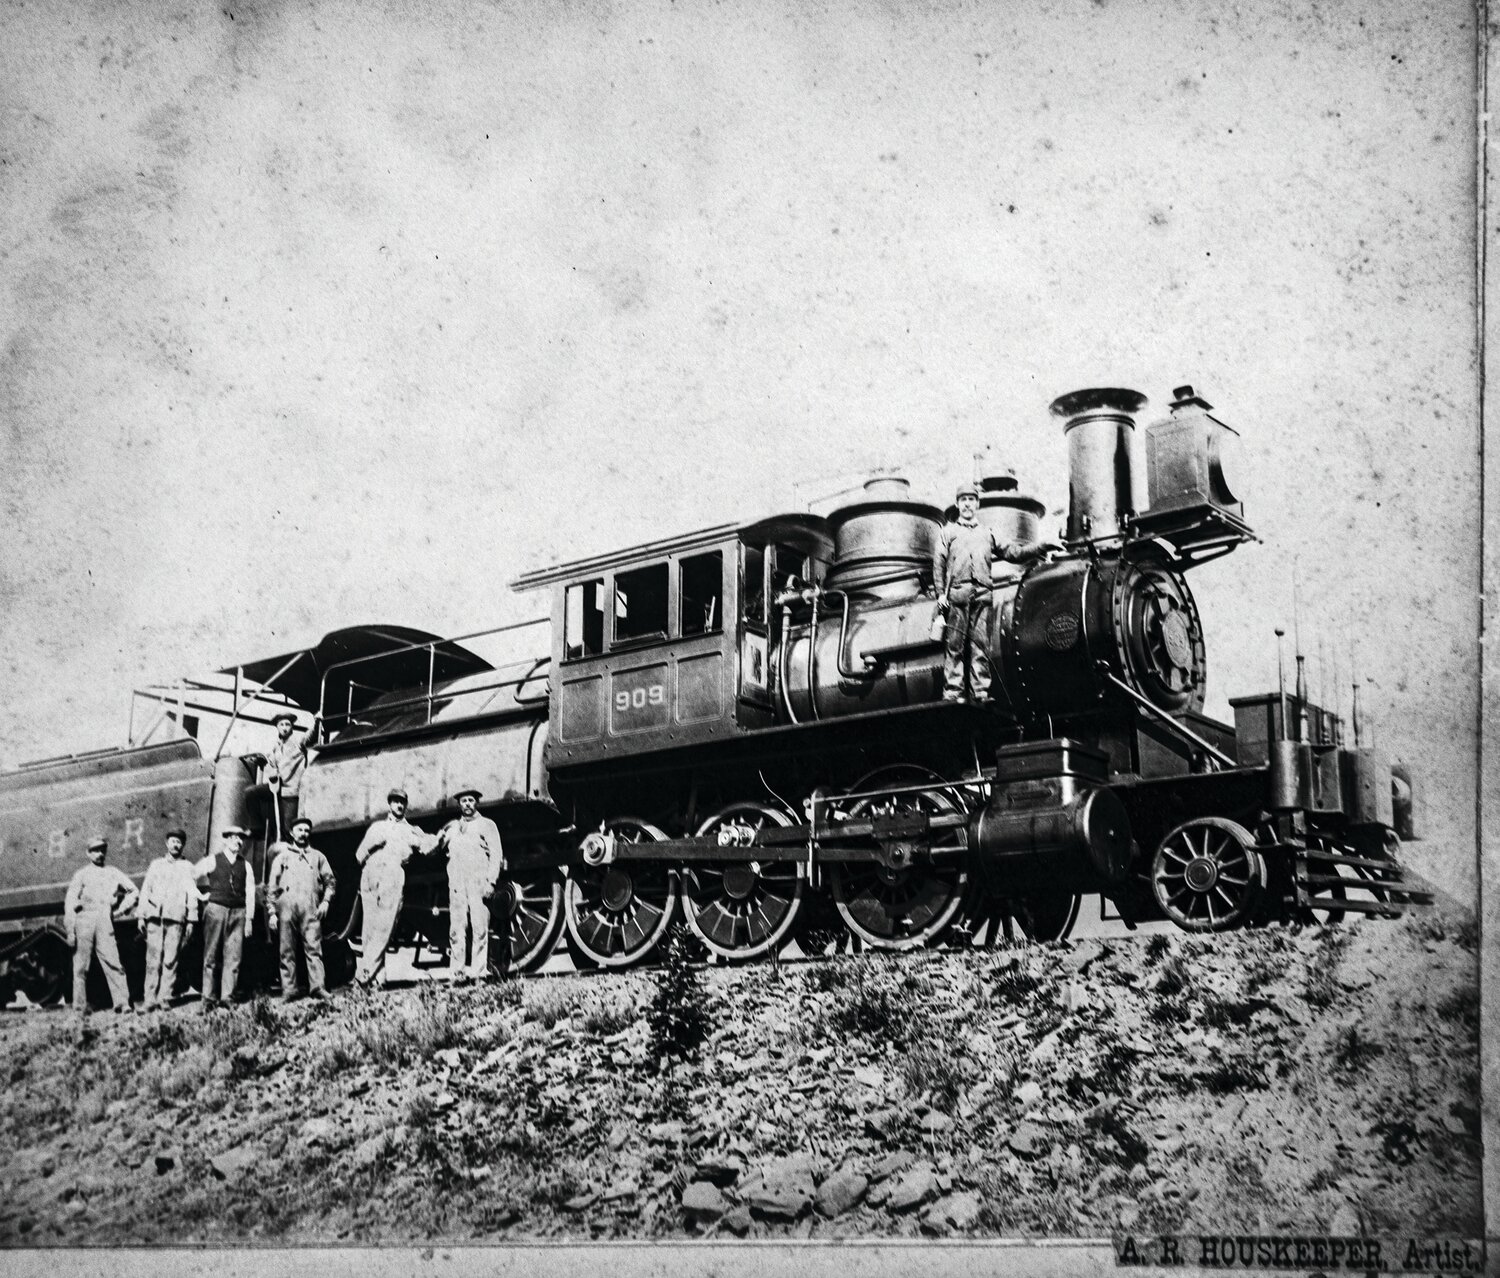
(640, 698)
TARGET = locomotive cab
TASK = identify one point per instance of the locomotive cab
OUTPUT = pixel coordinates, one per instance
(670, 644)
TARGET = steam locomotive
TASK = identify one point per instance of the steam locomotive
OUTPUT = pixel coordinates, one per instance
(743, 728)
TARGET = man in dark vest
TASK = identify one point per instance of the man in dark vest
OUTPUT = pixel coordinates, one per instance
(228, 882)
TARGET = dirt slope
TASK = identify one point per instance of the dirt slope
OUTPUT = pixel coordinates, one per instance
(1315, 1080)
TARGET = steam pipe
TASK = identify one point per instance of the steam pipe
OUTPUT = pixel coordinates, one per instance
(1180, 728)
(844, 670)
(812, 660)
(783, 662)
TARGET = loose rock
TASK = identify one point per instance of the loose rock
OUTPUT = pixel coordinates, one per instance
(1029, 1140)
(913, 1189)
(840, 1191)
(702, 1200)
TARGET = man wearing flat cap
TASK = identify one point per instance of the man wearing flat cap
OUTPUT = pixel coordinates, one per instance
(475, 863)
(388, 845)
(225, 878)
(961, 576)
(285, 763)
(168, 914)
(299, 891)
(96, 894)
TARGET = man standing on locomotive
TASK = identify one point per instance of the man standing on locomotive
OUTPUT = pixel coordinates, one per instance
(475, 862)
(383, 853)
(961, 576)
(298, 894)
(95, 894)
(168, 914)
(225, 877)
(284, 767)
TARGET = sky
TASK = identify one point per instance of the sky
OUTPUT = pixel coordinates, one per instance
(313, 315)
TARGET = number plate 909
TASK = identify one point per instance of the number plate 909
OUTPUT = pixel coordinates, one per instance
(638, 700)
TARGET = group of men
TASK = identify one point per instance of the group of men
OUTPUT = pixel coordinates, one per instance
(220, 891)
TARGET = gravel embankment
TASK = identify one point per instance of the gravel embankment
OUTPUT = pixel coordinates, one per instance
(1320, 1080)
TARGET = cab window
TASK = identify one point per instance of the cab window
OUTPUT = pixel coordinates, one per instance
(786, 563)
(702, 593)
(641, 604)
(583, 622)
(753, 584)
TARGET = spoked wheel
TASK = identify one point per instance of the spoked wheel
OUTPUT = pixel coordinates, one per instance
(536, 917)
(741, 909)
(995, 920)
(338, 961)
(617, 913)
(902, 908)
(41, 972)
(820, 929)
(1207, 876)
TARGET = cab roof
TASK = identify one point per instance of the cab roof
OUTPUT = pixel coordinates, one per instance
(805, 531)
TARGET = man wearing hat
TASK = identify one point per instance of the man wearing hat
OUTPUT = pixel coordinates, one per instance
(168, 914)
(225, 877)
(961, 576)
(96, 893)
(388, 845)
(299, 892)
(285, 764)
(475, 863)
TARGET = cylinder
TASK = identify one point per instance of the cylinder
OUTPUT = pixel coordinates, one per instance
(1078, 843)
(1098, 424)
(885, 534)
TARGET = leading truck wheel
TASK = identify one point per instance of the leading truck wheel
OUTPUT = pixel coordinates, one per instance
(741, 909)
(617, 914)
(1207, 875)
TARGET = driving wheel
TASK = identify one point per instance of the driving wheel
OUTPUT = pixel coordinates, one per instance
(616, 914)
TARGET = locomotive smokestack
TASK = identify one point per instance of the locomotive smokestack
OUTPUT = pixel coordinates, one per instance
(1101, 475)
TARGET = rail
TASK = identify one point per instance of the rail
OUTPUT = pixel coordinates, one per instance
(515, 675)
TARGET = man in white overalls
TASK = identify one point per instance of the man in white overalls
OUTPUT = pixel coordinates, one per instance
(388, 845)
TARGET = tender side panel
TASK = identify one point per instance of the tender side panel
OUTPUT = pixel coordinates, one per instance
(130, 797)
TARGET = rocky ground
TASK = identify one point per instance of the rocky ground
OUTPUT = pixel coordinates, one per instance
(1323, 1080)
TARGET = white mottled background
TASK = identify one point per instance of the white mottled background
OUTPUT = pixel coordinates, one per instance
(320, 314)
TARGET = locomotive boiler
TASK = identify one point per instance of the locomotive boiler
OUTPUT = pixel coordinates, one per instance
(742, 728)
